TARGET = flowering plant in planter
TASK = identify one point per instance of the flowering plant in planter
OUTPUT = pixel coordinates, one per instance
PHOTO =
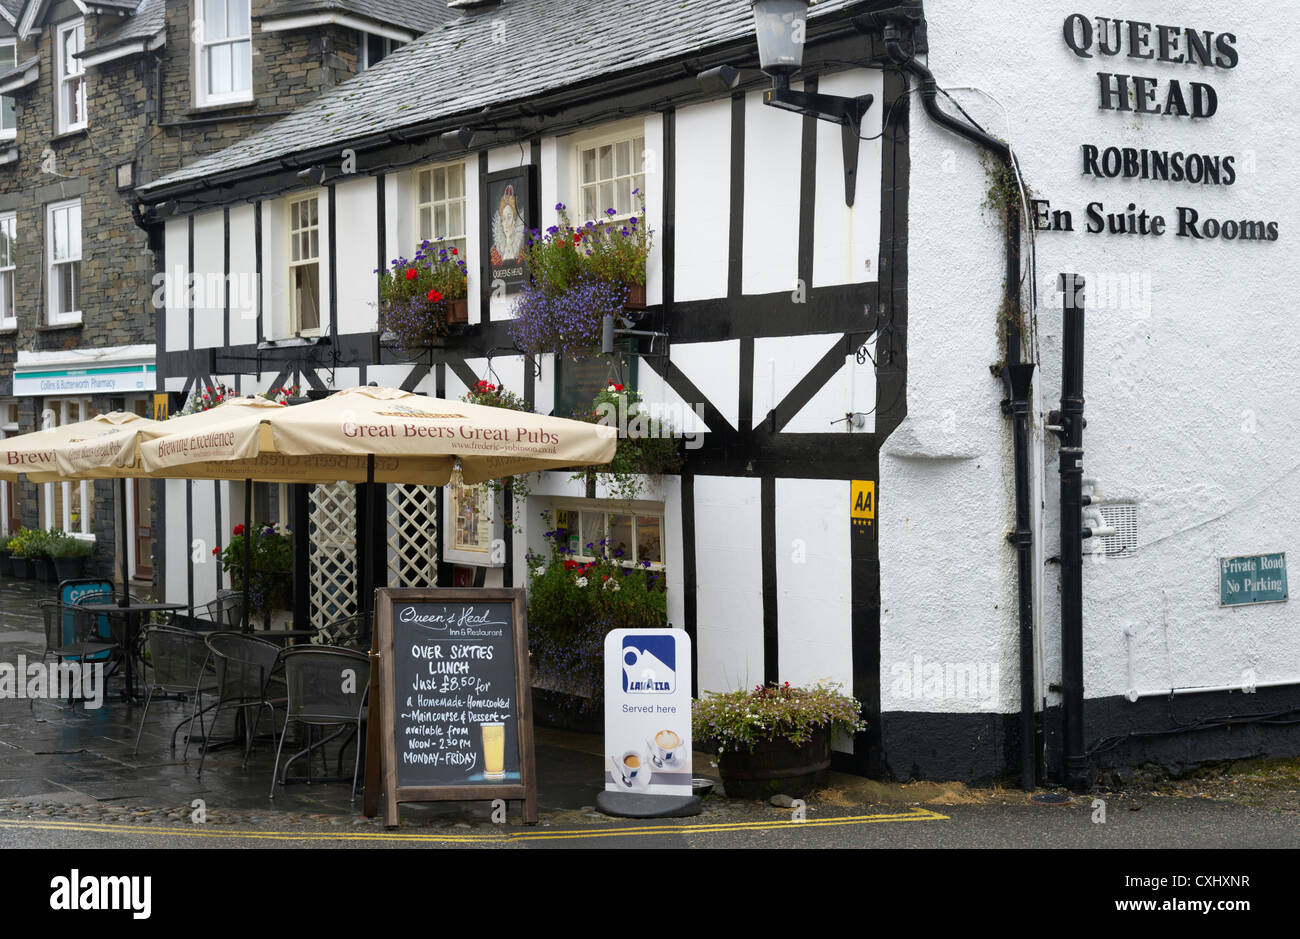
(647, 445)
(573, 604)
(579, 275)
(205, 400)
(272, 565)
(739, 720)
(420, 297)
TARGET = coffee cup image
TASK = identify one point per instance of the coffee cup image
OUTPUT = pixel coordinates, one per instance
(665, 748)
(628, 768)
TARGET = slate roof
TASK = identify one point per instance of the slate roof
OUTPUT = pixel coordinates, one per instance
(149, 19)
(458, 68)
(18, 69)
(14, 8)
(418, 16)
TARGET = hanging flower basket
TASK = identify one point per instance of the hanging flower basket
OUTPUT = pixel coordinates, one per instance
(421, 297)
(580, 275)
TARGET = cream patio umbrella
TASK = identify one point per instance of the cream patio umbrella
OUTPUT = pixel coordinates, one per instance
(111, 451)
(401, 437)
(36, 456)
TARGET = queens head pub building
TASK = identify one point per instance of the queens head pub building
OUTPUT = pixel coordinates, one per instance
(902, 252)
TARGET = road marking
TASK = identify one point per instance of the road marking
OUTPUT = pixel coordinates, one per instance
(915, 814)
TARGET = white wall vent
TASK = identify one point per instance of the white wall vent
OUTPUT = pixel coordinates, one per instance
(1122, 516)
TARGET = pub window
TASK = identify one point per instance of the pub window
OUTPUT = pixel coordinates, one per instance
(8, 229)
(304, 266)
(440, 205)
(578, 382)
(629, 538)
(224, 45)
(63, 222)
(8, 112)
(69, 507)
(611, 175)
(70, 79)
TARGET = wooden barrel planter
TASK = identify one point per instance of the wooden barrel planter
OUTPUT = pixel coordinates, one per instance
(457, 311)
(777, 767)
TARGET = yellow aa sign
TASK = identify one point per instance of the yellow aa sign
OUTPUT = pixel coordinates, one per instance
(863, 502)
(160, 406)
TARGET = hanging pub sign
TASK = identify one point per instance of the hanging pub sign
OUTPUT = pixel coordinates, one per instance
(509, 210)
(455, 708)
(1252, 578)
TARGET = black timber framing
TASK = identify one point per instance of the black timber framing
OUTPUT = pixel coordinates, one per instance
(758, 448)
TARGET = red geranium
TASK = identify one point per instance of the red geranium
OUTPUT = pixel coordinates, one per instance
(434, 296)
(411, 274)
(239, 529)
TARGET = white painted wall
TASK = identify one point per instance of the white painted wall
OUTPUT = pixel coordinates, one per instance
(209, 288)
(773, 160)
(358, 220)
(814, 582)
(1190, 399)
(176, 251)
(729, 580)
(703, 200)
(243, 284)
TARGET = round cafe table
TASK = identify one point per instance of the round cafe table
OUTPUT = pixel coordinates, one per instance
(131, 614)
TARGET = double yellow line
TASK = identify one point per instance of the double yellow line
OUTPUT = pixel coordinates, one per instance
(915, 814)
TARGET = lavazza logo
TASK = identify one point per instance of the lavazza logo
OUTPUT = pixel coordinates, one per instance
(80, 891)
(649, 664)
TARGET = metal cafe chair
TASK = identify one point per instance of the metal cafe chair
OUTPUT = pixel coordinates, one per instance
(243, 666)
(225, 612)
(326, 687)
(177, 659)
(72, 633)
(347, 631)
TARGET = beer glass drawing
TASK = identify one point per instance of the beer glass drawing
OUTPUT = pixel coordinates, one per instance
(494, 750)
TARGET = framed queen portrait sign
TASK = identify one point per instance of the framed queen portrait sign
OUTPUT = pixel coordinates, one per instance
(472, 533)
(508, 201)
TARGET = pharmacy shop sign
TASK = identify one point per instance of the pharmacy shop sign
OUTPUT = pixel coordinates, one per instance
(648, 712)
(1252, 578)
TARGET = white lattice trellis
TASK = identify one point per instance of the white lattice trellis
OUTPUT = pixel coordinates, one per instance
(412, 536)
(333, 553)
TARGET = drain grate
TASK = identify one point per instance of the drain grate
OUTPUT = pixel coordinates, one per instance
(1050, 798)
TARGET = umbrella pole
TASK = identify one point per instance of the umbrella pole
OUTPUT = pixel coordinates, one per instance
(126, 572)
(370, 794)
(248, 555)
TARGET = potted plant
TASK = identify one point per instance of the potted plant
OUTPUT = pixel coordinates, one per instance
(68, 555)
(572, 605)
(647, 445)
(22, 565)
(39, 547)
(774, 739)
(420, 298)
(579, 275)
(271, 582)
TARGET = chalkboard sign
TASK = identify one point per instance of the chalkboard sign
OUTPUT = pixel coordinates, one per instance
(455, 713)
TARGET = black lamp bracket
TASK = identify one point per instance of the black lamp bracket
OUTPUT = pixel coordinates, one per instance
(847, 112)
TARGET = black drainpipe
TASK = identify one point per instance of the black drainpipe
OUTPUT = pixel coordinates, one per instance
(1017, 377)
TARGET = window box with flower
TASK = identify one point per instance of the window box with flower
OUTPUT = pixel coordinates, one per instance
(648, 446)
(580, 274)
(422, 297)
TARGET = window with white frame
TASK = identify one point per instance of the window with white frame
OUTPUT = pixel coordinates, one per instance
(69, 507)
(440, 205)
(304, 266)
(63, 223)
(611, 175)
(8, 229)
(629, 538)
(223, 42)
(8, 111)
(373, 49)
(70, 79)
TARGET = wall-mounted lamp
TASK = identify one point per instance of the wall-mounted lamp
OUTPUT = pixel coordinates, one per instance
(782, 29)
(722, 78)
(464, 136)
(313, 174)
(164, 209)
